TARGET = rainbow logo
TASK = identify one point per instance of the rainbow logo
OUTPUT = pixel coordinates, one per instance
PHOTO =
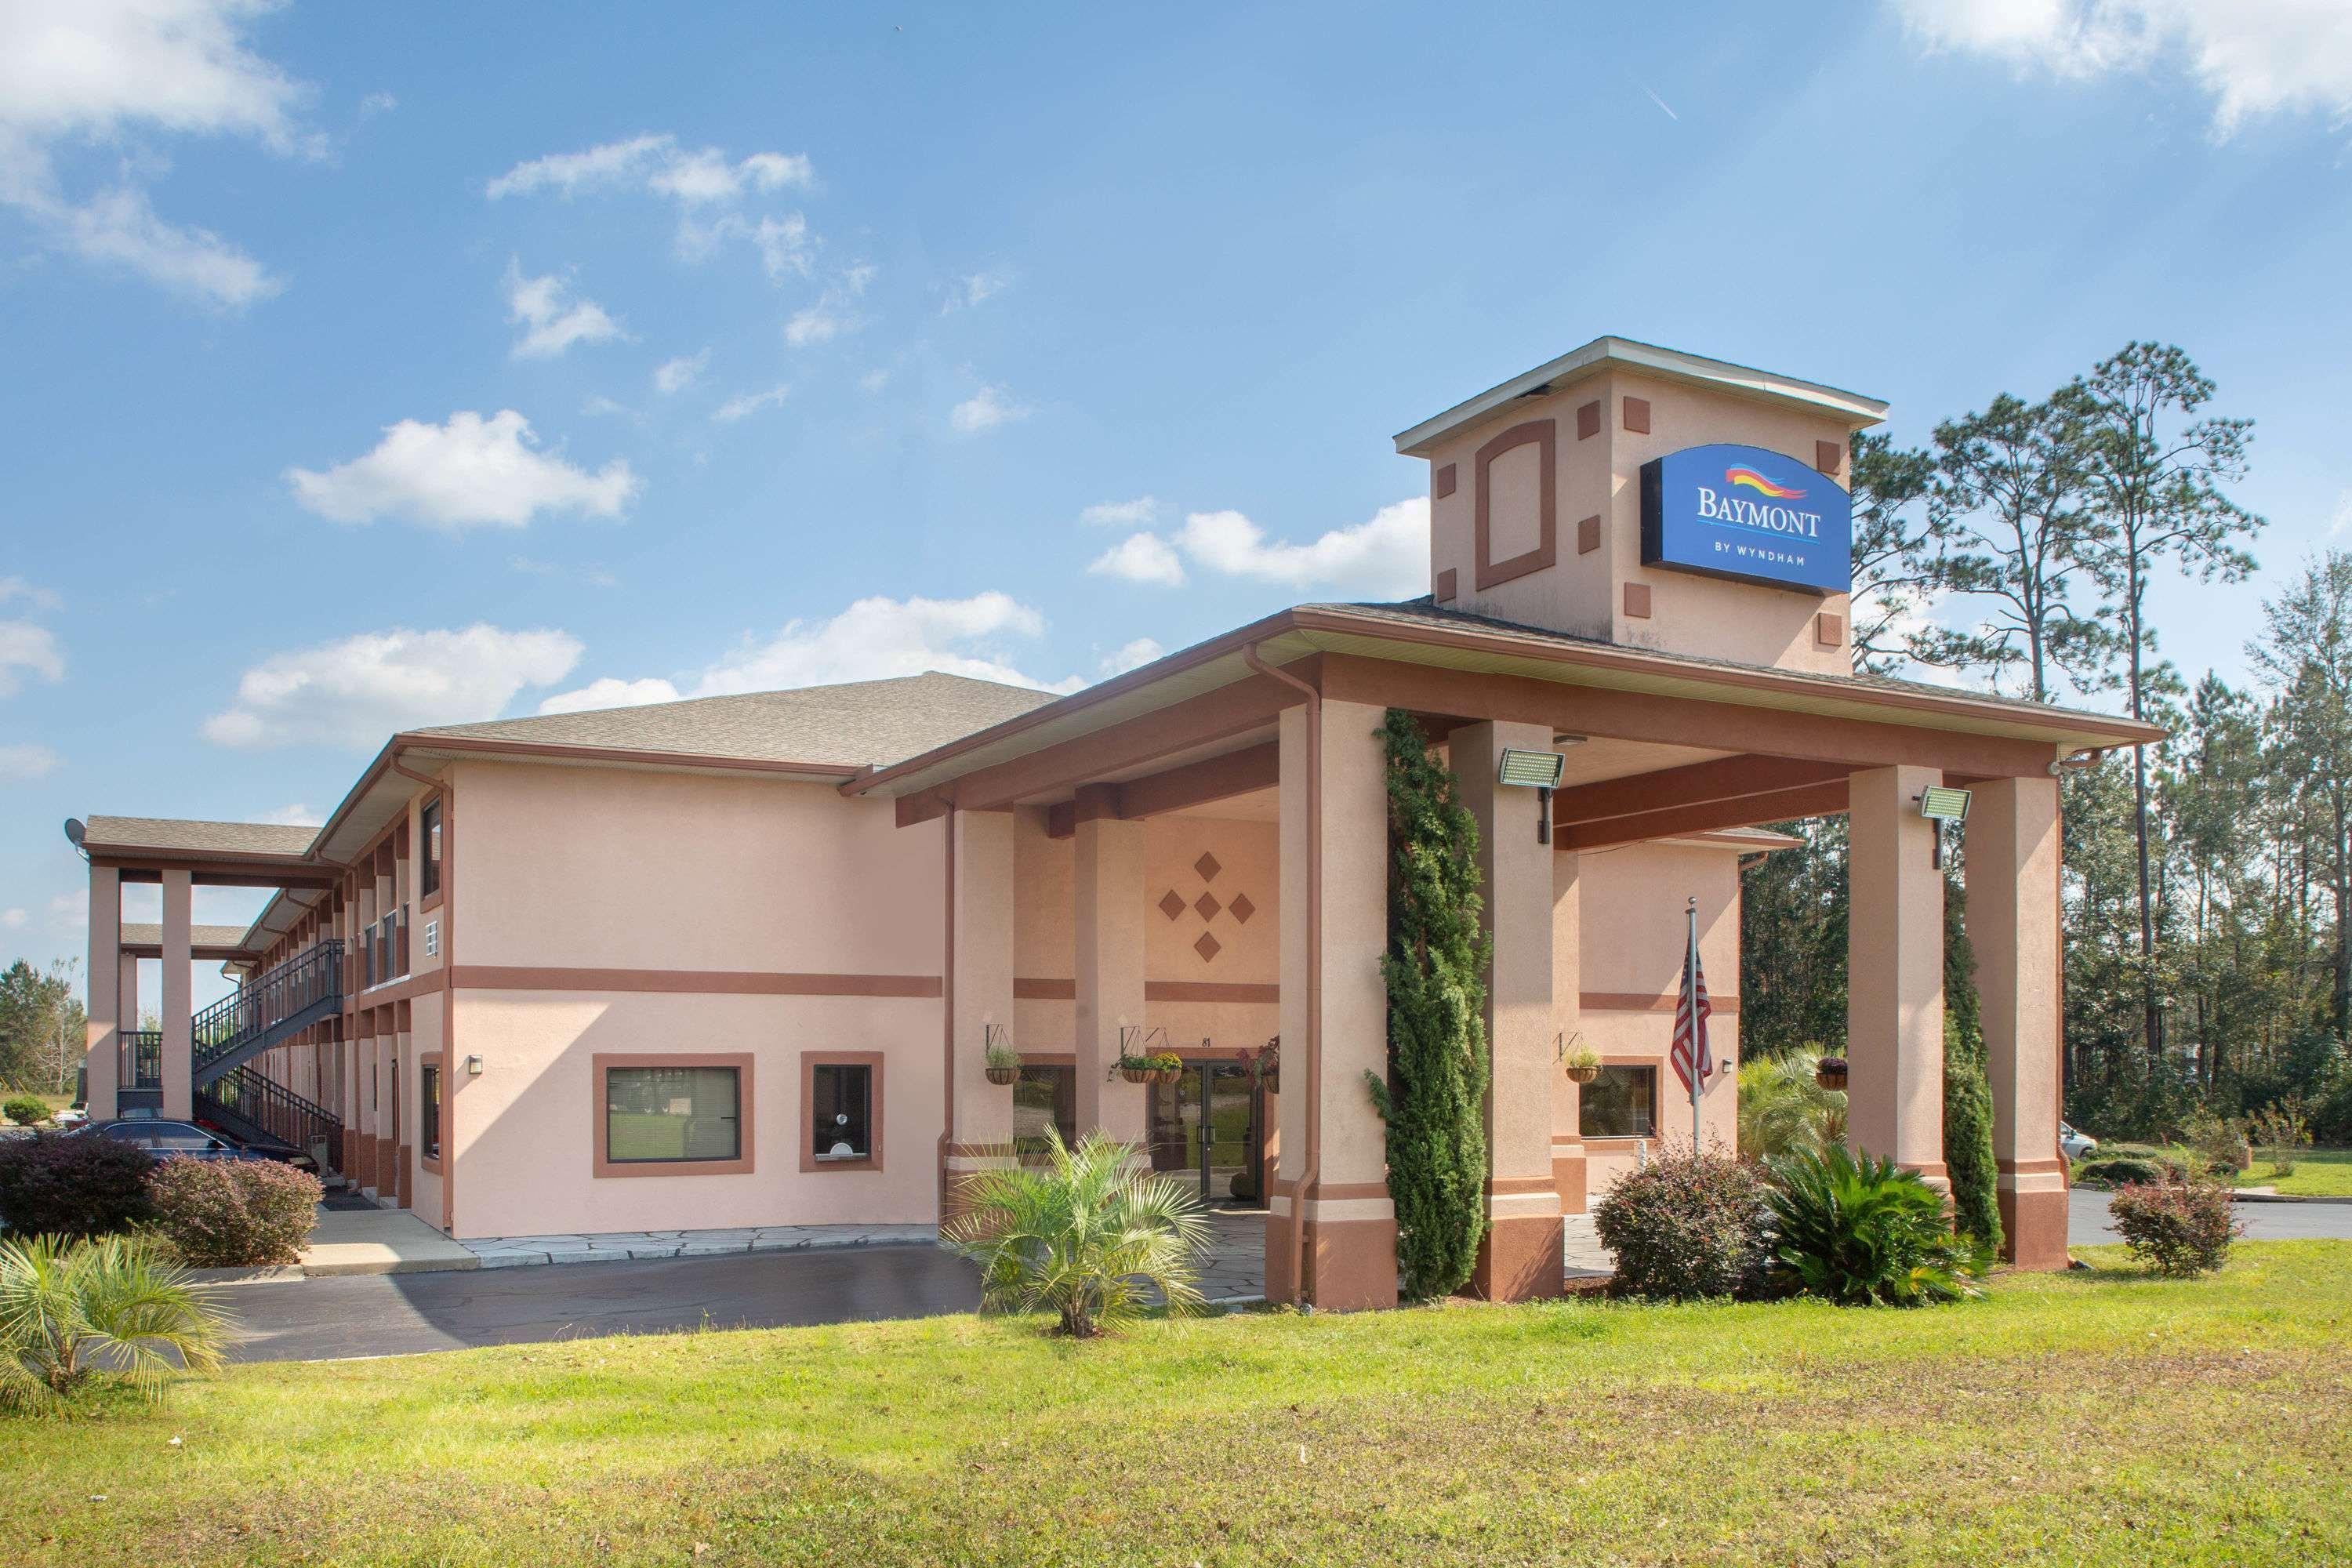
(1756, 481)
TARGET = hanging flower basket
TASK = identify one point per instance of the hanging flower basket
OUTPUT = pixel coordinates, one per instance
(1000, 1076)
(1830, 1072)
(1583, 1074)
(1139, 1074)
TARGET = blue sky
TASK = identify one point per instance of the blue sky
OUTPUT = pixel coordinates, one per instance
(373, 367)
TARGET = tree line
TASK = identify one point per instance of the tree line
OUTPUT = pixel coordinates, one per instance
(2208, 879)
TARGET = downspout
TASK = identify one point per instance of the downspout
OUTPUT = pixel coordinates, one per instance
(451, 1075)
(1311, 1165)
(947, 1010)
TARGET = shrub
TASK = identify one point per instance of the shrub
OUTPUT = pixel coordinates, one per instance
(1783, 1107)
(224, 1214)
(24, 1111)
(1087, 1236)
(1686, 1227)
(2115, 1170)
(1860, 1232)
(81, 1185)
(2279, 1133)
(72, 1309)
(2218, 1141)
(2177, 1229)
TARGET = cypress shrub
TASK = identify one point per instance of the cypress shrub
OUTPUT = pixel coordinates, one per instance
(1433, 1100)
(1968, 1094)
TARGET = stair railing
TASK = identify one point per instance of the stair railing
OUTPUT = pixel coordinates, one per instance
(313, 975)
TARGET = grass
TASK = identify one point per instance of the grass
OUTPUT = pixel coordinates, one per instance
(2101, 1417)
(2318, 1172)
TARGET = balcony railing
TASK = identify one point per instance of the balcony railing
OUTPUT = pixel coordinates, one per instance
(382, 949)
(140, 1062)
(309, 977)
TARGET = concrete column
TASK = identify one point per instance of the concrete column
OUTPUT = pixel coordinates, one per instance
(2013, 918)
(980, 969)
(1334, 833)
(129, 992)
(1107, 890)
(1895, 973)
(179, 980)
(104, 1005)
(1520, 1258)
(1568, 1021)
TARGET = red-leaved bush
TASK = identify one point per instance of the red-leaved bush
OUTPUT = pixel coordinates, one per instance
(1685, 1228)
(224, 1214)
(2179, 1229)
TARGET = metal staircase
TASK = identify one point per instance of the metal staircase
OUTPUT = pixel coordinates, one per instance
(306, 989)
(249, 1107)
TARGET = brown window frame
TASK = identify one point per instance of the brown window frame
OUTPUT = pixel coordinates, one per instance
(810, 1062)
(602, 1062)
(1656, 1071)
(429, 1109)
(428, 860)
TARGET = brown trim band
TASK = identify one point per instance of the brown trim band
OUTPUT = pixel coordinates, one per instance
(695, 981)
(1043, 989)
(1636, 1002)
(1512, 1186)
(2044, 1167)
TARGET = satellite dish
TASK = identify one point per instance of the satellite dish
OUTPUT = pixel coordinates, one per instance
(74, 831)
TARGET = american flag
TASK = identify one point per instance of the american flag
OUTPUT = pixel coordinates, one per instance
(1692, 1010)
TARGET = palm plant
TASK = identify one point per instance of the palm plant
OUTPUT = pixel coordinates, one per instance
(1091, 1235)
(1860, 1232)
(1784, 1109)
(72, 1309)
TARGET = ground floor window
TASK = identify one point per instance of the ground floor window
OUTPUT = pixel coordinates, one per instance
(841, 1110)
(1623, 1102)
(673, 1115)
(428, 1109)
(1043, 1098)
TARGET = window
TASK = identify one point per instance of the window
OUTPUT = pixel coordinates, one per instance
(1042, 1097)
(428, 874)
(674, 1115)
(428, 1111)
(1623, 1102)
(841, 1110)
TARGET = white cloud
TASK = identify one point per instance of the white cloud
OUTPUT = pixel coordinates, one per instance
(377, 103)
(470, 471)
(2253, 58)
(1139, 512)
(75, 73)
(1132, 656)
(554, 317)
(872, 381)
(14, 919)
(610, 692)
(1386, 556)
(962, 294)
(24, 647)
(292, 816)
(69, 913)
(675, 375)
(708, 187)
(47, 598)
(833, 313)
(1141, 558)
(600, 405)
(785, 247)
(23, 763)
(356, 692)
(751, 403)
(608, 167)
(985, 410)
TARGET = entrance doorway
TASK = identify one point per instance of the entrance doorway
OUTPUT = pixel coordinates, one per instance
(1212, 1122)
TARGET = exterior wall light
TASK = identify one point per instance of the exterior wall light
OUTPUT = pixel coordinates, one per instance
(1538, 771)
(1940, 804)
(473, 1066)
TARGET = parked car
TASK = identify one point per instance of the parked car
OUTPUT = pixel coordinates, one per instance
(186, 1140)
(2077, 1145)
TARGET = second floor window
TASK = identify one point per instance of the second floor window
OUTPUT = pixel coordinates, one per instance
(428, 872)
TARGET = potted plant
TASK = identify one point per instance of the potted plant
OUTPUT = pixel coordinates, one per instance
(1167, 1067)
(1003, 1064)
(1830, 1072)
(1267, 1065)
(1137, 1069)
(1581, 1061)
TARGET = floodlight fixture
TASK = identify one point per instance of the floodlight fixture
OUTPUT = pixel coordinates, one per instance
(1538, 771)
(1943, 802)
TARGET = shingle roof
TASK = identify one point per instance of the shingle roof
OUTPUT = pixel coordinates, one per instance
(146, 934)
(197, 837)
(847, 725)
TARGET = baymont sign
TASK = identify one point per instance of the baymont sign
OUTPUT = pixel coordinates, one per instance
(1748, 513)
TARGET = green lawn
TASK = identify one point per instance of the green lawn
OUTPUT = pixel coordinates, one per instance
(2318, 1173)
(2101, 1417)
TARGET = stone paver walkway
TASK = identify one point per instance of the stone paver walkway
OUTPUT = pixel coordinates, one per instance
(623, 1245)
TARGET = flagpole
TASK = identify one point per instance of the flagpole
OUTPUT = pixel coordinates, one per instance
(1690, 984)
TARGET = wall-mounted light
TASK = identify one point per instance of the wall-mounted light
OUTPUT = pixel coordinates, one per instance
(1940, 804)
(1538, 771)
(473, 1066)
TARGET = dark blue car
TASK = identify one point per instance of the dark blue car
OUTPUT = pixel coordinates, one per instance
(178, 1140)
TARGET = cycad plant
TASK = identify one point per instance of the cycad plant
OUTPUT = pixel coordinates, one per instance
(72, 1310)
(1784, 1109)
(1860, 1232)
(1091, 1235)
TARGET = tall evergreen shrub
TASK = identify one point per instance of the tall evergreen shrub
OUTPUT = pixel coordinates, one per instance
(1968, 1094)
(1434, 1098)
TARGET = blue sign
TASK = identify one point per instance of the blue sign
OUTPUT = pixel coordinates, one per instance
(1750, 514)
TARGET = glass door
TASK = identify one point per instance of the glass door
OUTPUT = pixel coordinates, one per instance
(1210, 1125)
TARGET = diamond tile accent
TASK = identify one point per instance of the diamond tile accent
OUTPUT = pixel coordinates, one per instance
(1208, 906)
(1172, 903)
(1207, 865)
(1208, 947)
(1241, 907)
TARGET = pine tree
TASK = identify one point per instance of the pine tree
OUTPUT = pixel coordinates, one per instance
(1969, 1157)
(1435, 1099)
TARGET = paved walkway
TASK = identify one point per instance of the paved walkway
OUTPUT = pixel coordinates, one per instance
(639, 1246)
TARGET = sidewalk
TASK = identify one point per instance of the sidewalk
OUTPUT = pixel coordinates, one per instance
(623, 1246)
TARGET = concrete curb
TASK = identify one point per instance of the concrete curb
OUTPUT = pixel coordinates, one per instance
(651, 1251)
(2284, 1198)
(269, 1274)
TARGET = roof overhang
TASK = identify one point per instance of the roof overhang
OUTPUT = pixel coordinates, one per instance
(1666, 364)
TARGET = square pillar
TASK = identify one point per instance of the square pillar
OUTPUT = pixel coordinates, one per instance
(980, 976)
(1334, 816)
(1567, 1020)
(1895, 973)
(103, 1045)
(179, 979)
(1520, 1258)
(1107, 888)
(2013, 918)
